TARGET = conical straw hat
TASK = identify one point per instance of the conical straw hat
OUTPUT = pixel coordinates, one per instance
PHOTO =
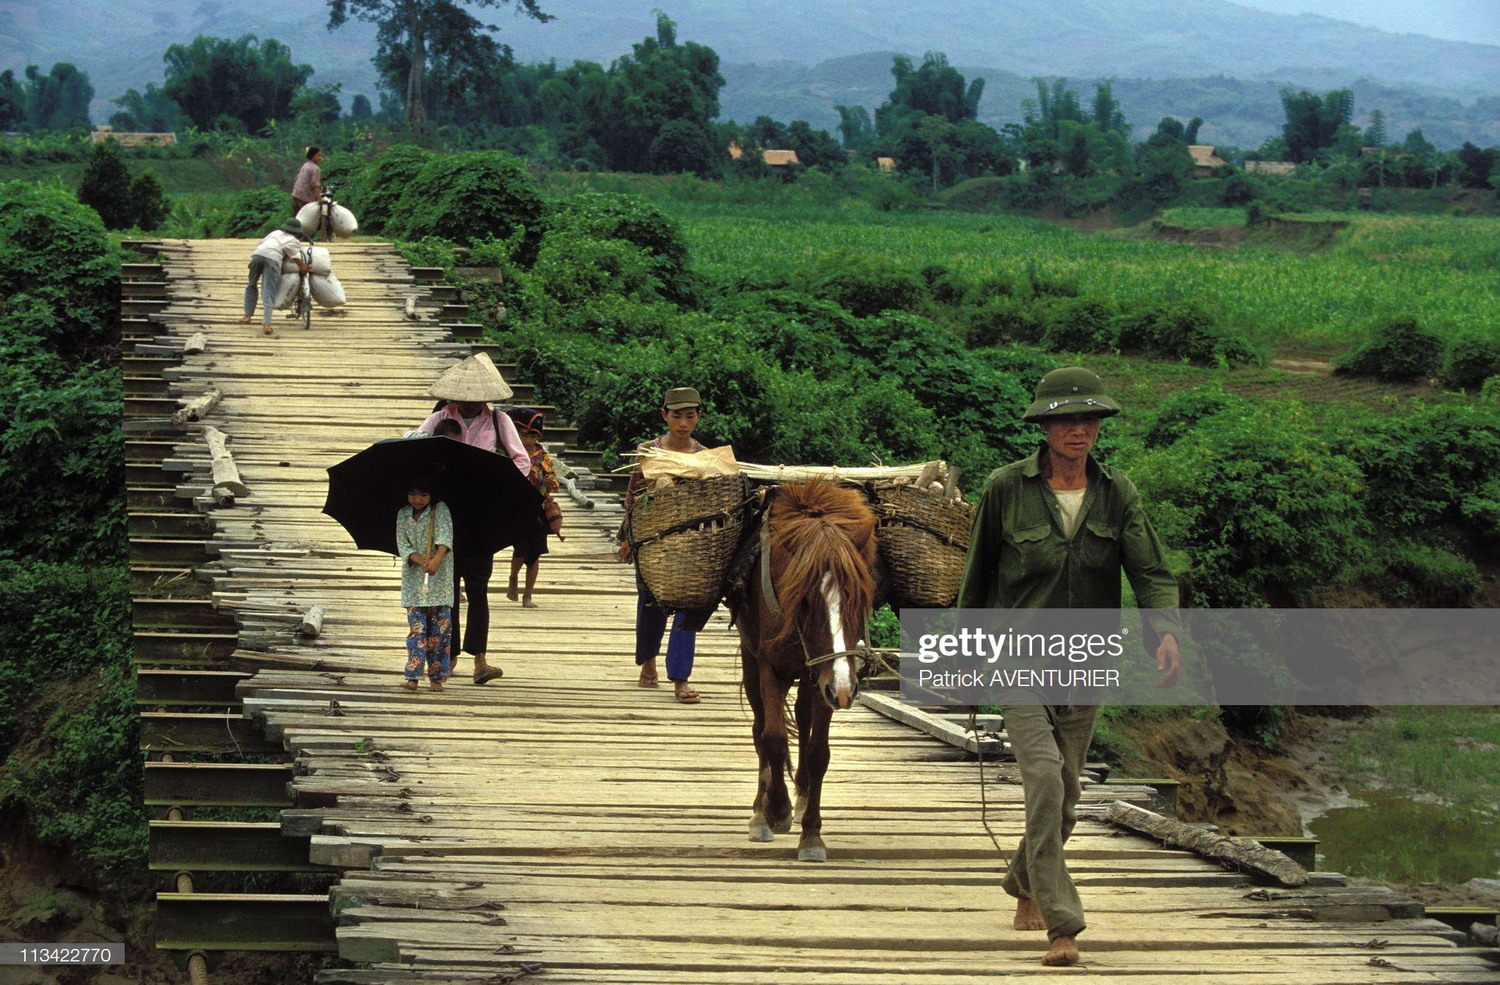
(474, 380)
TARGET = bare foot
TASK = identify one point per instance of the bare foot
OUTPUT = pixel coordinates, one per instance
(511, 592)
(528, 603)
(1028, 917)
(266, 329)
(245, 320)
(1064, 950)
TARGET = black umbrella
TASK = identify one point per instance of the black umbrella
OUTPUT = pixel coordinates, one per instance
(492, 503)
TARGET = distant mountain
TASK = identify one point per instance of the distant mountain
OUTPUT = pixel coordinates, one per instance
(796, 60)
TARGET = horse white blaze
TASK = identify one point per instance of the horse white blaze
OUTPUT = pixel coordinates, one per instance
(843, 668)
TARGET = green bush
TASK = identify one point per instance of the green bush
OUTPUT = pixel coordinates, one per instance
(864, 283)
(1399, 350)
(1183, 330)
(795, 330)
(1409, 572)
(1435, 471)
(106, 186)
(150, 203)
(1266, 510)
(1470, 360)
(1080, 325)
(1187, 411)
(573, 270)
(1001, 320)
(376, 192)
(252, 213)
(70, 689)
(59, 275)
(609, 216)
(467, 198)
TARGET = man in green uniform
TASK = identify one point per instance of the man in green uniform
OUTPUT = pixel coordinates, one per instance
(1054, 531)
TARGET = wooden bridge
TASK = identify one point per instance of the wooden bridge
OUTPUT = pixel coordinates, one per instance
(560, 822)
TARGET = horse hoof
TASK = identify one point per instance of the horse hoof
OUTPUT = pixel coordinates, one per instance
(799, 808)
(782, 826)
(813, 853)
(762, 833)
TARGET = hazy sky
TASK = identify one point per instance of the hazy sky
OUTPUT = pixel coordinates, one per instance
(1455, 20)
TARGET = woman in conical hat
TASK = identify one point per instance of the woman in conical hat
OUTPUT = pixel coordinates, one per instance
(471, 387)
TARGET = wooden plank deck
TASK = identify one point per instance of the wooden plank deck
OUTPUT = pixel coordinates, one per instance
(563, 820)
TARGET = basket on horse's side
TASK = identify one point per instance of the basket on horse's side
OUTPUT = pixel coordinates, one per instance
(924, 539)
(684, 535)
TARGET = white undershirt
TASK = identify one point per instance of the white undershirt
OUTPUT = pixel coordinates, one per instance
(1070, 501)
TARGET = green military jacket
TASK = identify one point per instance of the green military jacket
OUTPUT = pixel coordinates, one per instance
(1019, 557)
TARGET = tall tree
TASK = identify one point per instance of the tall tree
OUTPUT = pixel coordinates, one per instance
(1375, 132)
(855, 127)
(246, 82)
(12, 101)
(410, 31)
(58, 100)
(152, 110)
(1313, 123)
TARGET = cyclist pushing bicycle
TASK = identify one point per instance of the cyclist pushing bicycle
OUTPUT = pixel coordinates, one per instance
(265, 270)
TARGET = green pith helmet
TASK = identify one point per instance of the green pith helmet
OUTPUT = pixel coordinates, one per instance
(1070, 390)
(294, 228)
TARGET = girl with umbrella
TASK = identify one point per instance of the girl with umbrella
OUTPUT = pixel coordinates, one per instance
(470, 388)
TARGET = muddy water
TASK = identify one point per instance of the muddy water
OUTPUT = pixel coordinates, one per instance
(1393, 838)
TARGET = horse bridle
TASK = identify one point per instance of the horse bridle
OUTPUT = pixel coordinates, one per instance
(868, 656)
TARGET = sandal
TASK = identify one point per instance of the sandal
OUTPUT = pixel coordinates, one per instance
(491, 673)
(648, 678)
(267, 329)
(685, 693)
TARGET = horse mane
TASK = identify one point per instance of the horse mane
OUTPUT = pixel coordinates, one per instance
(819, 528)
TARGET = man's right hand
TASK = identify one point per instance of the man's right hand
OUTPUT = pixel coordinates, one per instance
(625, 551)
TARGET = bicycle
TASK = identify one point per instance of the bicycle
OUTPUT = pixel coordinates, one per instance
(304, 303)
(325, 216)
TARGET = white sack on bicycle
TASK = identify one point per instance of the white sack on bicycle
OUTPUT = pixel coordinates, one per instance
(308, 217)
(327, 291)
(286, 290)
(319, 263)
(342, 221)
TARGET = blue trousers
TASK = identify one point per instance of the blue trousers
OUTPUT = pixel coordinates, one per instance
(266, 274)
(650, 624)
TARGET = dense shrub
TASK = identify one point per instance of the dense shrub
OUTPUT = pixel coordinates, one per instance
(1080, 325)
(59, 276)
(573, 271)
(794, 330)
(1399, 350)
(252, 213)
(1187, 411)
(1266, 511)
(1470, 360)
(1411, 572)
(1435, 472)
(105, 187)
(864, 283)
(1183, 330)
(149, 201)
(61, 445)
(375, 193)
(469, 197)
(1000, 320)
(609, 216)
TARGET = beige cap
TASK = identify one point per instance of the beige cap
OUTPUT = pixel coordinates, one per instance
(680, 397)
(475, 380)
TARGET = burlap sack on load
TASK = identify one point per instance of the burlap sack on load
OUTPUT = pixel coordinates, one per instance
(685, 527)
(343, 222)
(286, 291)
(308, 217)
(327, 291)
(320, 262)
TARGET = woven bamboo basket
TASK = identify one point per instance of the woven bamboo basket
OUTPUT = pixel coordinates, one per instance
(924, 538)
(684, 537)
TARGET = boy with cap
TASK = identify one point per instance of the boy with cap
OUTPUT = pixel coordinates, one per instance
(681, 410)
(265, 269)
(1054, 531)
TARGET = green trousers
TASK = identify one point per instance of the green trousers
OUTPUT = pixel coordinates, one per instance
(1051, 744)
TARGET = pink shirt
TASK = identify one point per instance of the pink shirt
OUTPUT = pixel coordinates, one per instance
(308, 180)
(480, 432)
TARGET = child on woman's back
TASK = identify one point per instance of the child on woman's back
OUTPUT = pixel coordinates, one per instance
(424, 538)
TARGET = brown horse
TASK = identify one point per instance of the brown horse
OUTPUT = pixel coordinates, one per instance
(802, 611)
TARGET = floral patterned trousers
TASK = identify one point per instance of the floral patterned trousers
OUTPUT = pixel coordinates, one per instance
(428, 641)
